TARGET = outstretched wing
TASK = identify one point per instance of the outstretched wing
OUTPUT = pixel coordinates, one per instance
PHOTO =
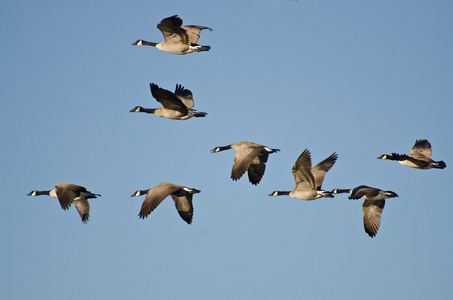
(193, 32)
(167, 98)
(372, 211)
(184, 207)
(83, 207)
(242, 161)
(302, 172)
(422, 148)
(155, 196)
(362, 191)
(184, 95)
(172, 30)
(257, 168)
(320, 170)
(67, 192)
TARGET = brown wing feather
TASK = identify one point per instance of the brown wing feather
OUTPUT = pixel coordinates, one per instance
(193, 32)
(184, 95)
(242, 161)
(257, 168)
(67, 192)
(362, 191)
(167, 98)
(320, 170)
(83, 207)
(302, 171)
(172, 30)
(184, 207)
(372, 211)
(155, 196)
(421, 148)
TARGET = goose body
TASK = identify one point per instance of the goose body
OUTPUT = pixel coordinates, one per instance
(182, 196)
(309, 180)
(68, 193)
(418, 158)
(178, 39)
(250, 157)
(373, 205)
(176, 106)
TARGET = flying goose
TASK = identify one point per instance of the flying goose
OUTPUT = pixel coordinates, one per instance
(177, 39)
(67, 194)
(372, 206)
(176, 106)
(419, 157)
(250, 157)
(309, 180)
(182, 196)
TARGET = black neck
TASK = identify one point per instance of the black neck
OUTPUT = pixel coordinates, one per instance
(224, 148)
(281, 193)
(144, 43)
(140, 192)
(147, 110)
(339, 191)
(38, 193)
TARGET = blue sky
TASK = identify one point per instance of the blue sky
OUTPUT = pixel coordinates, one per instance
(360, 78)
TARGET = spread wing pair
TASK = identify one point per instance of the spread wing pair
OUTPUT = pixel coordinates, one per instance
(182, 196)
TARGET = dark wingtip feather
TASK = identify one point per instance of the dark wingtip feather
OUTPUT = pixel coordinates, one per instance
(85, 218)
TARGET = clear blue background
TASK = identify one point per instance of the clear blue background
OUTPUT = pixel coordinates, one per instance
(360, 78)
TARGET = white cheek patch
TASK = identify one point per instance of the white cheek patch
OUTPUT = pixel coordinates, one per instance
(140, 43)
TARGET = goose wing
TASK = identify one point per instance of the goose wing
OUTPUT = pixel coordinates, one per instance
(242, 161)
(83, 207)
(67, 192)
(155, 196)
(172, 30)
(421, 149)
(257, 168)
(184, 95)
(372, 211)
(302, 172)
(362, 191)
(417, 159)
(184, 207)
(167, 98)
(193, 32)
(320, 170)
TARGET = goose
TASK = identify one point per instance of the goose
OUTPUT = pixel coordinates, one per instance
(176, 106)
(418, 158)
(177, 39)
(182, 196)
(250, 157)
(67, 194)
(372, 206)
(309, 180)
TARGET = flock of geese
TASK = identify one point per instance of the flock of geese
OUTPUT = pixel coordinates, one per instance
(249, 157)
